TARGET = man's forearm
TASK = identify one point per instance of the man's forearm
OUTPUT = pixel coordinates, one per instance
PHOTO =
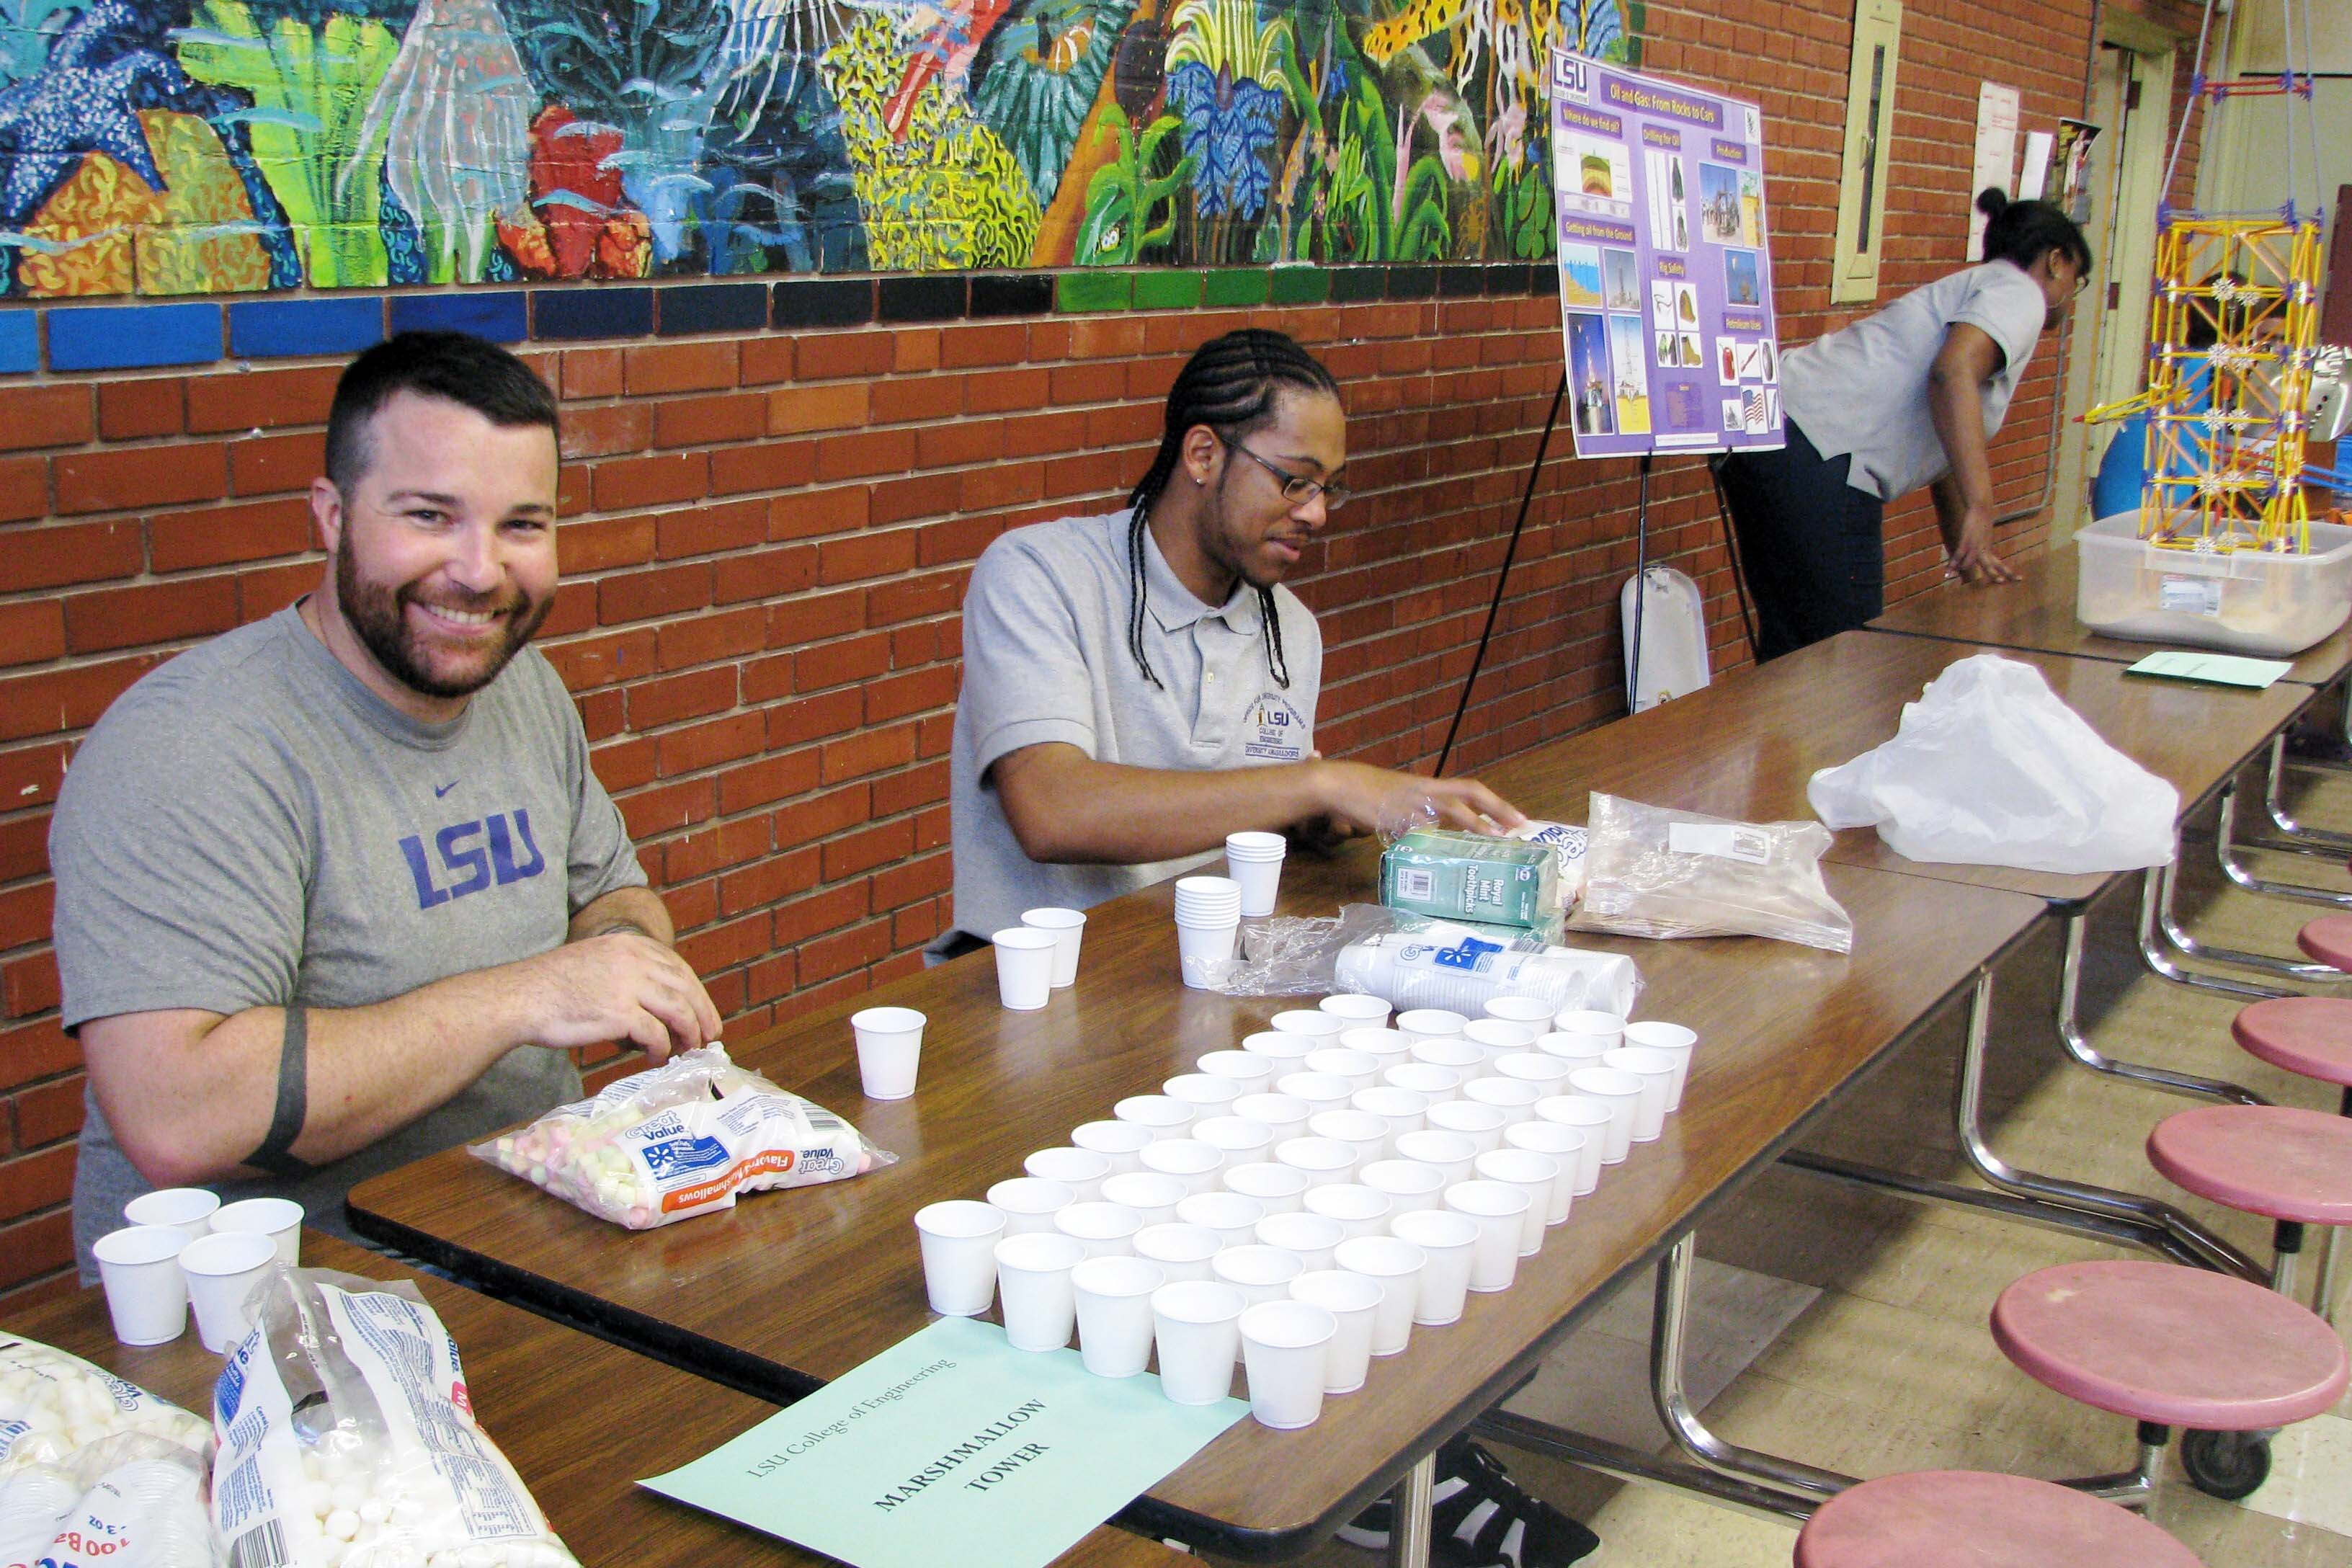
(638, 909)
(1109, 814)
(1955, 409)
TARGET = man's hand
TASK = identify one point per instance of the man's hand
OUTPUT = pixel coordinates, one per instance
(1973, 558)
(1359, 798)
(620, 986)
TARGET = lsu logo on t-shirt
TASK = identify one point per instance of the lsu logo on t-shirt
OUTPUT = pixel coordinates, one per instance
(467, 856)
(1279, 734)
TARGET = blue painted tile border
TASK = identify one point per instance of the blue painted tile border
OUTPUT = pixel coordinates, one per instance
(283, 329)
(502, 316)
(20, 342)
(127, 337)
(569, 314)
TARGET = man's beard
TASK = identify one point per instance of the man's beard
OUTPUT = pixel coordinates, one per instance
(378, 615)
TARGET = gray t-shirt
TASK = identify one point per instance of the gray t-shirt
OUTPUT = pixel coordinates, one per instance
(1045, 658)
(250, 826)
(1862, 389)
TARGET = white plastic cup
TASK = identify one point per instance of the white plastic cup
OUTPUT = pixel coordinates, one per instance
(1388, 1048)
(1030, 1203)
(1152, 1196)
(1499, 1038)
(1532, 1011)
(222, 1268)
(1352, 1300)
(1446, 1153)
(1434, 1084)
(1621, 1093)
(1592, 1024)
(1448, 1240)
(1480, 1122)
(1586, 1115)
(1069, 928)
(889, 1049)
(1452, 1051)
(1576, 1050)
(1533, 1173)
(1325, 1027)
(1113, 1297)
(1259, 1272)
(1024, 967)
(1549, 1073)
(1359, 1069)
(1183, 1251)
(1274, 1187)
(1514, 1098)
(1204, 953)
(1359, 1209)
(1500, 1210)
(1206, 891)
(1165, 1118)
(1360, 1010)
(1241, 1141)
(1080, 1170)
(1651, 1034)
(1320, 1091)
(1105, 1229)
(1320, 1160)
(1284, 1048)
(1282, 1115)
(1120, 1142)
(1368, 1133)
(1566, 1145)
(1656, 1071)
(146, 1294)
(1394, 1265)
(1401, 1110)
(1188, 1160)
(1231, 1217)
(188, 1210)
(1033, 1283)
(1311, 1236)
(1430, 1024)
(1255, 1073)
(1408, 1184)
(1253, 862)
(1206, 1093)
(1285, 1344)
(1197, 1324)
(279, 1219)
(958, 1239)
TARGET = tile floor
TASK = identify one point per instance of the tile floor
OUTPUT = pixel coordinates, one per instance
(1848, 1329)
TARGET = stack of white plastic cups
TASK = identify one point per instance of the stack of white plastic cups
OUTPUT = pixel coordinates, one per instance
(1208, 921)
(1253, 863)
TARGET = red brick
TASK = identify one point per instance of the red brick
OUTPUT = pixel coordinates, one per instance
(722, 947)
(691, 905)
(25, 913)
(808, 513)
(838, 954)
(261, 399)
(607, 430)
(922, 495)
(868, 752)
(24, 489)
(771, 778)
(30, 776)
(762, 466)
(914, 349)
(42, 1246)
(830, 910)
(665, 807)
(29, 984)
(827, 356)
(601, 544)
(53, 415)
(862, 851)
(710, 745)
(71, 699)
(817, 617)
(45, 1114)
(591, 373)
(935, 594)
(602, 714)
(671, 698)
(632, 482)
(904, 399)
(267, 465)
(151, 613)
(864, 556)
(627, 764)
(226, 535)
(714, 849)
(839, 663)
(24, 847)
(699, 421)
(129, 409)
(768, 882)
(902, 884)
(767, 573)
(122, 478)
(36, 1050)
(1008, 390)
(664, 591)
(272, 588)
(587, 663)
(898, 792)
(989, 489)
(811, 718)
(727, 527)
(993, 343)
(821, 817)
(766, 360)
(959, 441)
(656, 368)
(796, 410)
(912, 693)
(31, 630)
(1075, 384)
(700, 639)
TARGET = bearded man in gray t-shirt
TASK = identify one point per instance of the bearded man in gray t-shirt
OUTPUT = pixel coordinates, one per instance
(339, 888)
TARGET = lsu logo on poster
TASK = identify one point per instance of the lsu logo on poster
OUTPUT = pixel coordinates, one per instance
(1279, 734)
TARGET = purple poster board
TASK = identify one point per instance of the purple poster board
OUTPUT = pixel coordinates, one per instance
(1666, 277)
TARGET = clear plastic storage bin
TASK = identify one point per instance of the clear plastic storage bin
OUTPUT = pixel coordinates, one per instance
(2241, 601)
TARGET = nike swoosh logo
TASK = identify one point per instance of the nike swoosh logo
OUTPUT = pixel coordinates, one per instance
(440, 790)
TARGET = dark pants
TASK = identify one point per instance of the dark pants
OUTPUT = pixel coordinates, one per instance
(1809, 542)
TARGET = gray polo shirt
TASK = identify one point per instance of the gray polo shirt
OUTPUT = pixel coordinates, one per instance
(1862, 389)
(1045, 658)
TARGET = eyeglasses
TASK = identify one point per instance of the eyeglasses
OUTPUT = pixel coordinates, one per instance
(1297, 488)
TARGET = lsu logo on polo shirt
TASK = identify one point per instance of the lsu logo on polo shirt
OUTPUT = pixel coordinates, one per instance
(1279, 734)
(467, 856)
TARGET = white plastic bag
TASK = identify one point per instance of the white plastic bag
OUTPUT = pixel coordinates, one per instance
(1657, 871)
(52, 1403)
(680, 1139)
(1989, 768)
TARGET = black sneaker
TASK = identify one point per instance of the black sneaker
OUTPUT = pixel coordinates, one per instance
(1481, 1519)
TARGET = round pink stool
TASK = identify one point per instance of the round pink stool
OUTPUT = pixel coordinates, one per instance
(2173, 1346)
(2307, 1034)
(2327, 939)
(1970, 1519)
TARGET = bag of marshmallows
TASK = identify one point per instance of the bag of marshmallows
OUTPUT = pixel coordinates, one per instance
(680, 1139)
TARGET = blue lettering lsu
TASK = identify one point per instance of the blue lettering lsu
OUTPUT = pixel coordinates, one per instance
(472, 856)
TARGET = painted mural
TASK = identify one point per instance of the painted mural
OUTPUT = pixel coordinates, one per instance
(187, 146)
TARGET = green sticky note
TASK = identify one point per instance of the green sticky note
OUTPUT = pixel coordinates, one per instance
(2217, 668)
(951, 1446)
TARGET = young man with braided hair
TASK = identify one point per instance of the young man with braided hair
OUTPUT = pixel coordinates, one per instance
(1138, 685)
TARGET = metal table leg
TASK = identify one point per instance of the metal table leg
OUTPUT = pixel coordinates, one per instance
(2158, 956)
(2225, 851)
(2078, 1045)
(1409, 1507)
(2316, 840)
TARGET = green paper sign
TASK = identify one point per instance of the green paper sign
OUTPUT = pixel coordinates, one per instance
(2214, 668)
(951, 1436)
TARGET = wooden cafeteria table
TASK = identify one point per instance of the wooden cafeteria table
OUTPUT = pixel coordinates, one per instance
(790, 1290)
(581, 1419)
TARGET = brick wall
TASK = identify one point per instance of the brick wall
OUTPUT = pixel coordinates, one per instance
(767, 535)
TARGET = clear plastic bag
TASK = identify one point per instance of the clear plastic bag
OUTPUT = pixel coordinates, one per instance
(1412, 961)
(1654, 871)
(680, 1139)
(53, 1404)
(347, 1439)
(130, 1500)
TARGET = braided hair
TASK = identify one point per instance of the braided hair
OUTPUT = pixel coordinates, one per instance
(1230, 385)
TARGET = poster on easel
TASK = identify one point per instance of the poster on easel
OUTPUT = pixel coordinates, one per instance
(1665, 276)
